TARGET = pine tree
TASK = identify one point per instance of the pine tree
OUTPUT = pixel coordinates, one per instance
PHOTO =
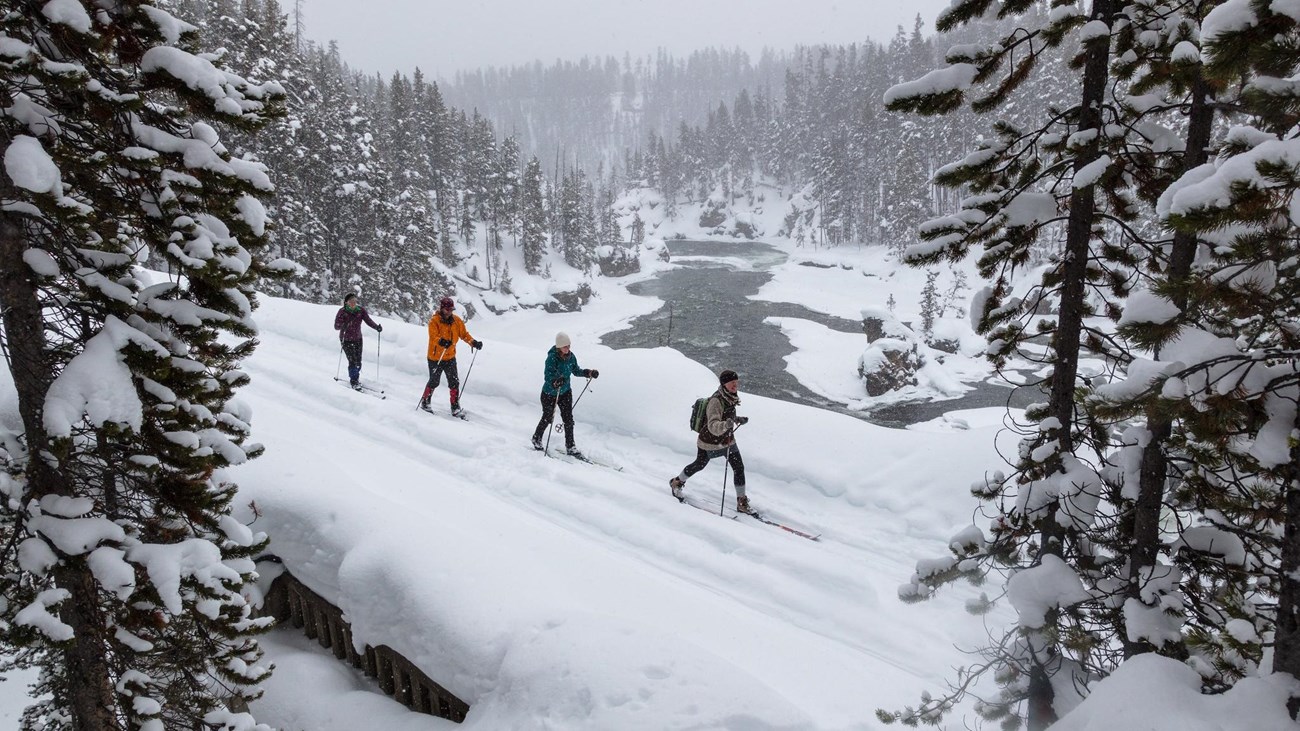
(584, 253)
(1238, 401)
(508, 194)
(1158, 70)
(929, 304)
(141, 622)
(285, 147)
(1021, 181)
(570, 214)
(906, 198)
(411, 241)
(638, 230)
(533, 218)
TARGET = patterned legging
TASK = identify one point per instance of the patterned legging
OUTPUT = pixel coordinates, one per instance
(703, 457)
(565, 402)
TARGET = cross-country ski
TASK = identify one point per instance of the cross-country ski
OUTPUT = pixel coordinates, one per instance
(363, 388)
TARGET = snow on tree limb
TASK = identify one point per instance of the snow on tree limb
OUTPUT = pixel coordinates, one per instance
(97, 384)
(945, 85)
(1035, 591)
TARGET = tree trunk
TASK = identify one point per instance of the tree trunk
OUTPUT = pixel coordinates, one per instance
(1145, 546)
(91, 698)
(1068, 337)
(1286, 639)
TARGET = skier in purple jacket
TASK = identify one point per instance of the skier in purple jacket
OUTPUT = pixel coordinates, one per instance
(348, 323)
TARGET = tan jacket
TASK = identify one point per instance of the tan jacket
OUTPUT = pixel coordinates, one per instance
(719, 421)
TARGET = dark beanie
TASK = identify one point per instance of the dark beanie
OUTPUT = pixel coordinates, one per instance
(348, 296)
(727, 376)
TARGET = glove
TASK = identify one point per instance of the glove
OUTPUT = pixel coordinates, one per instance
(557, 383)
(380, 328)
(444, 342)
(593, 373)
(477, 345)
(742, 420)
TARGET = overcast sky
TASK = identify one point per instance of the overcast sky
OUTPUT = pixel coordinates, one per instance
(444, 36)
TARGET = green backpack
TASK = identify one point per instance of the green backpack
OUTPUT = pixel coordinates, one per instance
(699, 414)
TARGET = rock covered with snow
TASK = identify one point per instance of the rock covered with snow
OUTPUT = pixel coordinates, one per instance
(893, 358)
(889, 364)
(617, 261)
(880, 322)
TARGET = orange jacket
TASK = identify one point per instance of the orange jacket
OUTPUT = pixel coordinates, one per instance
(439, 330)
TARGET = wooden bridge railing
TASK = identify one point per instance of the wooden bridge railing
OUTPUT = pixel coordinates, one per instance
(292, 603)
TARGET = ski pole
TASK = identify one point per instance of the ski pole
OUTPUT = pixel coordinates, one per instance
(584, 390)
(339, 368)
(417, 403)
(465, 384)
(725, 468)
(547, 450)
(379, 355)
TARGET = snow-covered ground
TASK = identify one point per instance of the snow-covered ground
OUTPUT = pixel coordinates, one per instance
(14, 696)
(551, 594)
(554, 594)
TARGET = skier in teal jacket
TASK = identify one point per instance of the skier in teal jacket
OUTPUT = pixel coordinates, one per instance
(561, 364)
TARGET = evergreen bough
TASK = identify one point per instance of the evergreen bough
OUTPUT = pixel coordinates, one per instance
(122, 566)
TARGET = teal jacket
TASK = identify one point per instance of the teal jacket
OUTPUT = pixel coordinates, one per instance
(560, 369)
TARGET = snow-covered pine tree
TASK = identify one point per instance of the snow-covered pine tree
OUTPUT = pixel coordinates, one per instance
(569, 220)
(285, 147)
(533, 218)
(929, 304)
(1241, 354)
(953, 294)
(433, 115)
(1170, 104)
(905, 197)
(1046, 174)
(507, 206)
(412, 240)
(362, 213)
(589, 233)
(122, 565)
(638, 230)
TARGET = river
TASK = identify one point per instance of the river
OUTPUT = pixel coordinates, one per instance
(709, 317)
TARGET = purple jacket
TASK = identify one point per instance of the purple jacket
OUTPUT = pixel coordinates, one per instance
(349, 323)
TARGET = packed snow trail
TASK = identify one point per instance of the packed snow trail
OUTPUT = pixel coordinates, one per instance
(551, 593)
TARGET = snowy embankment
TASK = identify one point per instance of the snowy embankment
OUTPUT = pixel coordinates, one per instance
(554, 594)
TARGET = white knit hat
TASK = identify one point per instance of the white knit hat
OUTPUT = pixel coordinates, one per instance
(561, 340)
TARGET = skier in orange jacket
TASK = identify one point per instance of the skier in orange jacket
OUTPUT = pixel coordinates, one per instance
(445, 328)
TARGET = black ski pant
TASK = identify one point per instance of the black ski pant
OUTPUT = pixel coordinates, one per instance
(352, 350)
(732, 453)
(436, 369)
(549, 402)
